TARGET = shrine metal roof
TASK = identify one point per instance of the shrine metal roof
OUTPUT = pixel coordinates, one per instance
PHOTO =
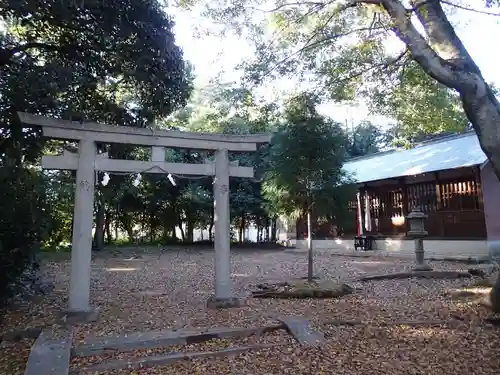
(445, 153)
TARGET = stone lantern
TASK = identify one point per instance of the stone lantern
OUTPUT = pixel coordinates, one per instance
(416, 222)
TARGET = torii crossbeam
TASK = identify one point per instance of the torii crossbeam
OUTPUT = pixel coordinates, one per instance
(87, 162)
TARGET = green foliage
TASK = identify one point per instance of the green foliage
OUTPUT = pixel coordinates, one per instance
(113, 61)
(24, 224)
(158, 212)
(364, 139)
(305, 162)
(348, 54)
(59, 188)
(419, 104)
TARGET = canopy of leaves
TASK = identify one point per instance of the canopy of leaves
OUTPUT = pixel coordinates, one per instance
(94, 41)
(365, 139)
(305, 161)
(111, 61)
(347, 53)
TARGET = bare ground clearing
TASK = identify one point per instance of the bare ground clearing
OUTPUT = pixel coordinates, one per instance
(169, 291)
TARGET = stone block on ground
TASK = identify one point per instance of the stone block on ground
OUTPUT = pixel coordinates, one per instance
(300, 329)
(50, 355)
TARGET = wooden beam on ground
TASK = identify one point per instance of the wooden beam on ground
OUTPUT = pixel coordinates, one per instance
(418, 274)
(63, 129)
(411, 323)
(301, 330)
(50, 356)
(160, 360)
(158, 339)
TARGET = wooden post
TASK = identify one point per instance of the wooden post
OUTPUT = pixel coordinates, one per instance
(439, 203)
(404, 194)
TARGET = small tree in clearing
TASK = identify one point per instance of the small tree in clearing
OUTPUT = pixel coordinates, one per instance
(305, 166)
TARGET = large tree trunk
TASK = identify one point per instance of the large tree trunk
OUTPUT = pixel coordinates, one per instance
(446, 59)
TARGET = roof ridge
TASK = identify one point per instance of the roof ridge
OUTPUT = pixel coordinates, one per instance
(448, 152)
(444, 138)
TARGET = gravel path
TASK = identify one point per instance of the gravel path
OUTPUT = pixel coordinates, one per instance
(170, 291)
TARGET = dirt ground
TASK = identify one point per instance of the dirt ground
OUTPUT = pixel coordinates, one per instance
(169, 290)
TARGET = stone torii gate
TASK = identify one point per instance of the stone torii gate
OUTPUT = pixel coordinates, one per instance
(86, 162)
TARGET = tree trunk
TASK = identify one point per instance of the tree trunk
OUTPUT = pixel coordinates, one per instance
(152, 228)
(211, 226)
(446, 59)
(189, 230)
(309, 248)
(107, 227)
(165, 234)
(100, 224)
(127, 225)
(242, 228)
(274, 229)
(183, 235)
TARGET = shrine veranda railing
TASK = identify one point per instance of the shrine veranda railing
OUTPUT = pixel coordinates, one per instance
(454, 208)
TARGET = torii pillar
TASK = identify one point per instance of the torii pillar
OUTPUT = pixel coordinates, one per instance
(83, 219)
(222, 228)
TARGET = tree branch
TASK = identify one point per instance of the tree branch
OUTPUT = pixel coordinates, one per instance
(442, 36)
(384, 65)
(6, 54)
(308, 45)
(470, 9)
(307, 3)
(337, 36)
(425, 56)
